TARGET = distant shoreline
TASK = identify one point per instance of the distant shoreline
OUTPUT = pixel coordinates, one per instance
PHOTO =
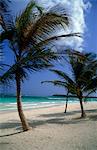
(74, 96)
(1, 96)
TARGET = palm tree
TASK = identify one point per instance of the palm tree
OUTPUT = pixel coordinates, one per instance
(30, 38)
(83, 76)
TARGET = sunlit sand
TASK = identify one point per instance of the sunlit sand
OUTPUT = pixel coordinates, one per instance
(51, 129)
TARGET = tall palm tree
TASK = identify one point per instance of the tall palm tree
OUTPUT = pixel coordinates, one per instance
(83, 76)
(30, 38)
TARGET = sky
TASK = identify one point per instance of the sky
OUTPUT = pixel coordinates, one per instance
(84, 21)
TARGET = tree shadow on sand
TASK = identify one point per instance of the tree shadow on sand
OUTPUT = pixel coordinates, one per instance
(53, 118)
(63, 119)
(14, 124)
(11, 134)
(70, 113)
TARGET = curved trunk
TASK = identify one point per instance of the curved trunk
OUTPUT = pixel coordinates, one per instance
(82, 109)
(25, 125)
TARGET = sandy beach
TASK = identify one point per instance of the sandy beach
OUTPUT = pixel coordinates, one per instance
(51, 129)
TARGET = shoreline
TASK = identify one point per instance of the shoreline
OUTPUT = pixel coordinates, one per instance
(45, 106)
(33, 106)
(29, 109)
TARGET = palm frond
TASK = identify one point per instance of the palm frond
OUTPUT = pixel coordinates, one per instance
(25, 18)
(45, 25)
(84, 74)
(7, 76)
(6, 35)
(55, 38)
(48, 23)
(4, 14)
(92, 85)
(56, 83)
(24, 23)
(38, 59)
(71, 88)
(63, 75)
(82, 65)
(4, 6)
(10, 74)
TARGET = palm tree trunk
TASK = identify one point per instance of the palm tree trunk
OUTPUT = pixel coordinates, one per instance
(24, 122)
(82, 109)
(66, 103)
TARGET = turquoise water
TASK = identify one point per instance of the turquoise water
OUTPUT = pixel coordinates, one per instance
(9, 103)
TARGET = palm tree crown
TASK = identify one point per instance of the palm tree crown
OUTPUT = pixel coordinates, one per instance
(82, 80)
(30, 38)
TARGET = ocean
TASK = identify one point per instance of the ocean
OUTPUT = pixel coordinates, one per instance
(28, 102)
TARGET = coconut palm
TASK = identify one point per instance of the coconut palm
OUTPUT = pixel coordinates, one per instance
(83, 76)
(30, 38)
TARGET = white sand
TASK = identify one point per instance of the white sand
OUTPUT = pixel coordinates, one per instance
(52, 129)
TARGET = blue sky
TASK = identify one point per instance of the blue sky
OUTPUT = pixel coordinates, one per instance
(85, 21)
(90, 41)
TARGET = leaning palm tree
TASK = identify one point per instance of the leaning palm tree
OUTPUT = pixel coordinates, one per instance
(30, 38)
(83, 76)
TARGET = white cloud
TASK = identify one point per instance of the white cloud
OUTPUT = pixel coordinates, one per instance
(77, 9)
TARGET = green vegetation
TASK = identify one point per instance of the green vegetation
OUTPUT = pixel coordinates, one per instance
(82, 80)
(30, 37)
